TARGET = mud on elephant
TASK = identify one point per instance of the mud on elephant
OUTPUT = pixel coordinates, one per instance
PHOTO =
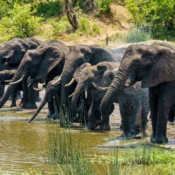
(91, 79)
(154, 66)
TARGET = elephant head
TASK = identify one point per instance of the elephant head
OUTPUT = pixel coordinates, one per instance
(79, 55)
(151, 64)
(87, 75)
(13, 51)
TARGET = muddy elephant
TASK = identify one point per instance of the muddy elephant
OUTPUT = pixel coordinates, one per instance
(154, 66)
(135, 99)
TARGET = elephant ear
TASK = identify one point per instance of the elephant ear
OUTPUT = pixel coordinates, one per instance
(79, 70)
(101, 69)
(161, 69)
(51, 57)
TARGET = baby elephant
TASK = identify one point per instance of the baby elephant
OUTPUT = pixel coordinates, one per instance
(133, 101)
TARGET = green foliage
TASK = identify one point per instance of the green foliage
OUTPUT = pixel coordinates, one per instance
(50, 7)
(138, 35)
(19, 22)
(62, 151)
(87, 26)
(160, 15)
(60, 26)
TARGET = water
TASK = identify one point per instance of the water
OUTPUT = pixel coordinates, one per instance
(24, 146)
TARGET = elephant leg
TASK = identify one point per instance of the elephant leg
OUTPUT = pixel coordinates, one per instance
(2, 87)
(153, 103)
(144, 117)
(24, 100)
(13, 97)
(51, 108)
(37, 97)
(126, 111)
(164, 106)
(56, 108)
(105, 120)
(94, 115)
(31, 99)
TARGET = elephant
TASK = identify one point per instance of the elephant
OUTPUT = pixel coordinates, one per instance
(52, 90)
(5, 78)
(90, 78)
(154, 66)
(92, 54)
(11, 54)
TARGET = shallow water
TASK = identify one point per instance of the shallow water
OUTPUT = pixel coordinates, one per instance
(23, 146)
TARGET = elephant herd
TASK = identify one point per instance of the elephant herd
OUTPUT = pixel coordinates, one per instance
(83, 82)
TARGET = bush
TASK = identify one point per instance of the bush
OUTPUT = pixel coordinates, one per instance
(159, 16)
(60, 26)
(19, 22)
(87, 26)
(138, 35)
(49, 8)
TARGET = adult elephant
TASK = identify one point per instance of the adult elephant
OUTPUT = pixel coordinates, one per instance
(134, 99)
(154, 65)
(92, 54)
(37, 64)
(76, 56)
(11, 54)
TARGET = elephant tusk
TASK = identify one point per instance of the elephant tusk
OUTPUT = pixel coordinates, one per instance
(86, 94)
(16, 82)
(39, 88)
(100, 88)
(7, 81)
(53, 82)
(71, 95)
(70, 83)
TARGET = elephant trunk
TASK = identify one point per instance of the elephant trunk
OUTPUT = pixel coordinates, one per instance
(44, 101)
(74, 102)
(66, 77)
(115, 88)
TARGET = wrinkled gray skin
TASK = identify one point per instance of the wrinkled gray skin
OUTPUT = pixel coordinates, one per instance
(154, 66)
(82, 54)
(134, 99)
(37, 64)
(11, 54)
(51, 64)
(52, 90)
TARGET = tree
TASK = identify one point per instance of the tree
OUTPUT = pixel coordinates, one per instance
(71, 15)
(159, 15)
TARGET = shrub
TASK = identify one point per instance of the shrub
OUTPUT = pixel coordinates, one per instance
(20, 22)
(159, 16)
(138, 35)
(60, 26)
(49, 8)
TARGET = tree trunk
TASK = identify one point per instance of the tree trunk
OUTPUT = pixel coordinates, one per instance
(71, 14)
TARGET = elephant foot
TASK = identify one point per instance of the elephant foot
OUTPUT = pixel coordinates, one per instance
(105, 127)
(38, 99)
(91, 125)
(55, 116)
(125, 136)
(140, 135)
(159, 139)
(31, 106)
(13, 105)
